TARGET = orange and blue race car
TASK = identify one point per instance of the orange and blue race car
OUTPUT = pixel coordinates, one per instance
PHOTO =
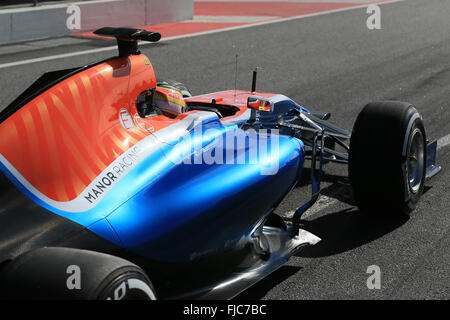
(117, 186)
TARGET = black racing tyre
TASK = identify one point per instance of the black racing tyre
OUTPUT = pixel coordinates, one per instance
(52, 273)
(387, 158)
(180, 86)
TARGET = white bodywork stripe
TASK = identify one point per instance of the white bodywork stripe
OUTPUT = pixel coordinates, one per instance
(146, 146)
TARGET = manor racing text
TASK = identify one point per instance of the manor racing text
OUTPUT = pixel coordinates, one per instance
(109, 177)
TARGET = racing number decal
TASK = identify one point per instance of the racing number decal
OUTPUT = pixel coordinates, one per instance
(125, 119)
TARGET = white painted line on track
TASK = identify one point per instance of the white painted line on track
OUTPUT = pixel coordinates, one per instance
(443, 142)
(57, 56)
(322, 203)
(97, 50)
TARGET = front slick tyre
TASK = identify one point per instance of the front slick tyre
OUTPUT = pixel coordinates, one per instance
(387, 158)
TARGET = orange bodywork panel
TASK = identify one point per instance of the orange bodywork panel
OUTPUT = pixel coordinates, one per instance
(61, 140)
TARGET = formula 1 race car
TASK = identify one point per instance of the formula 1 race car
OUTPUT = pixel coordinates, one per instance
(117, 186)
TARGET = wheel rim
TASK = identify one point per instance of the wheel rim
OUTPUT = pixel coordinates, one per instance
(415, 161)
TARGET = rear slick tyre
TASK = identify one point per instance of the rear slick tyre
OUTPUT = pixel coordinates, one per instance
(55, 273)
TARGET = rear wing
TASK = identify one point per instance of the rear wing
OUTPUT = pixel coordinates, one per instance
(127, 38)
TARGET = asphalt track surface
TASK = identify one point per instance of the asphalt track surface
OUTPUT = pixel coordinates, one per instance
(330, 63)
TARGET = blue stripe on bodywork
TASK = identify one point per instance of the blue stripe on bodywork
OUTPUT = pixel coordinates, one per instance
(223, 200)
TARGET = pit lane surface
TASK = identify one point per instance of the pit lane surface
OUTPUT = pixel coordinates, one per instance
(332, 63)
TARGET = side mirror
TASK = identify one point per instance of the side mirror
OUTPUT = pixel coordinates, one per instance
(259, 103)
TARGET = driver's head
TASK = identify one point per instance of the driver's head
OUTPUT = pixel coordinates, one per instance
(169, 100)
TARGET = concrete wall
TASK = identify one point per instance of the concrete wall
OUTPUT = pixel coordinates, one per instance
(50, 20)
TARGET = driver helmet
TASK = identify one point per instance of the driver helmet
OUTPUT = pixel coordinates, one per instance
(169, 99)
